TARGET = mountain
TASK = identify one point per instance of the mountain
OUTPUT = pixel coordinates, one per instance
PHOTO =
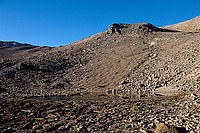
(124, 58)
(9, 43)
(192, 25)
(12, 49)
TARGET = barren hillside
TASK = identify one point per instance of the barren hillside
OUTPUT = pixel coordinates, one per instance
(139, 65)
(192, 25)
(12, 49)
(125, 57)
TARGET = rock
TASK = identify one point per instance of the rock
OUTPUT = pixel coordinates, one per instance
(9, 130)
(36, 127)
(161, 128)
(142, 130)
(28, 125)
(26, 66)
(193, 96)
(1, 60)
(27, 111)
(167, 91)
(124, 82)
(46, 126)
(54, 126)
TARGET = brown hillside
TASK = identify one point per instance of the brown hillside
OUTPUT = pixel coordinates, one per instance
(142, 67)
(11, 49)
(125, 57)
(192, 25)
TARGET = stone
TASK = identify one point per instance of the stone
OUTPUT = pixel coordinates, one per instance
(161, 128)
(27, 111)
(36, 127)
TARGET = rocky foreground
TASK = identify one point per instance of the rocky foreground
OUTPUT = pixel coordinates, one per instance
(177, 114)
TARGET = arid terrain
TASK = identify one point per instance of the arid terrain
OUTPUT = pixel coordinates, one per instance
(128, 78)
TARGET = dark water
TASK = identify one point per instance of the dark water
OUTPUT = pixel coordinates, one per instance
(99, 96)
(51, 98)
(78, 96)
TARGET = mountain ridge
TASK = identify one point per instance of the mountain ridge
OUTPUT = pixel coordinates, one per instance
(13, 49)
(114, 59)
(192, 25)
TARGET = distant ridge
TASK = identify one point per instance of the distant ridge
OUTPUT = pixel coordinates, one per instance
(192, 25)
(11, 43)
(13, 49)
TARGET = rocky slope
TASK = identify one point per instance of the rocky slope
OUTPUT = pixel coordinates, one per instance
(127, 60)
(124, 58)
(192, 25)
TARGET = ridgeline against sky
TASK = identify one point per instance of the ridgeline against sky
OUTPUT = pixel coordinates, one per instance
(56, 23)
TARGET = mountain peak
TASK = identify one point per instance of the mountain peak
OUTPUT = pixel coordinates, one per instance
(144, 27)
(120, 27)
(8, 43)
(11, 43)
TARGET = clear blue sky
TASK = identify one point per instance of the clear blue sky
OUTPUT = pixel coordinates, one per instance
(60, 22)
